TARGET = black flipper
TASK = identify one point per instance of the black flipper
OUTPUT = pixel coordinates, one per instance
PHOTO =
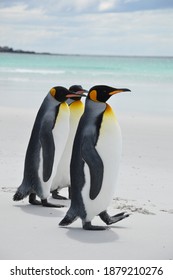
(22, 191)
(69, 218)
(18, 196)
(89, 226)
(48, 148)
(95, 164)
(107, 219)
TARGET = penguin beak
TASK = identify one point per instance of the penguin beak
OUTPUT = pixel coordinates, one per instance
(117, 90)
(85, 90)
(80, 93)
(71, 95)
(77, 94)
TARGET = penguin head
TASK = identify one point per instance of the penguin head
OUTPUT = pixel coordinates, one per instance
(61, 94)
(101, 93)
(77, 89)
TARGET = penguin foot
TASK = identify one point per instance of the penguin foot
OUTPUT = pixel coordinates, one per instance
(33, 200)
(45, 203)
(113, 219)
(55, 195)
(89, 226)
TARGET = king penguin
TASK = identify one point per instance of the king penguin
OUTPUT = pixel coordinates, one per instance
(46, 144)
(62, 177)
(95, 161)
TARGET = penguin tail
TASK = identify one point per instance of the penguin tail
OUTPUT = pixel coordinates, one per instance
(22, 192)
(68, 219)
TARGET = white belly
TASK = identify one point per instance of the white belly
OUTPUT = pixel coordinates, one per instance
(62, 177)
(60, 135)
(109, 147)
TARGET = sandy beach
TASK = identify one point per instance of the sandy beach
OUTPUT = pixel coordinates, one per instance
(144, 190)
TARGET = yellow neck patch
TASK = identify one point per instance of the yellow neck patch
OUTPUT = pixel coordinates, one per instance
(93, 95)
(109, 112)
(64, 106)
(76, 104)
(53, 92)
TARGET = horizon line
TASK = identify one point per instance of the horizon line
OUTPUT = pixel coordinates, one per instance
(6, 49)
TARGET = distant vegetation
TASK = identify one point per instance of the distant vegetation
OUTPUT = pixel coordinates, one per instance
(11, 50)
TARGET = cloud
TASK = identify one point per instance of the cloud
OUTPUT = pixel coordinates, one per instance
(90, 6)
(107, 6)
(20, 13)
(88, 26)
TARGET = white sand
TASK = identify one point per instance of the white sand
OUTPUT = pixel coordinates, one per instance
(144, 189)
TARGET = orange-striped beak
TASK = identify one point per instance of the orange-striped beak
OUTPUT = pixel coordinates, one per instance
(118, 90)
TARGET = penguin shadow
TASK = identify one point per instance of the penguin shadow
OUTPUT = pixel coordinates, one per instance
(91, 237)
(39, 210)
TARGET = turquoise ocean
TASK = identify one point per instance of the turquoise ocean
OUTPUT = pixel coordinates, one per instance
(25, 79)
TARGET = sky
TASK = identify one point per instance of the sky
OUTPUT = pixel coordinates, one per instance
(102, 27)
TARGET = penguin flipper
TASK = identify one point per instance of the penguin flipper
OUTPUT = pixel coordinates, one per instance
(48, 148)
(95, 164)
(69, 218)
(22, 191)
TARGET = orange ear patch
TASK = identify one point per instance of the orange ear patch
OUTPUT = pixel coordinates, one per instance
(53, 92)
(93, 95)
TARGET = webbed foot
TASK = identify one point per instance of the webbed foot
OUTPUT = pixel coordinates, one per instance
(89, 226)
(33, 200)
(55, 195)
(112, 219)
(45, 203)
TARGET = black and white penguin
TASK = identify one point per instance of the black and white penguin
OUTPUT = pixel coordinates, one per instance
(62, 177)
(46, 145)
(95, 161)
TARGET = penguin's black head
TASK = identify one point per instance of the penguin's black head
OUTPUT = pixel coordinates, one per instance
(61, 93)
(102, 93)
(79, 90)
